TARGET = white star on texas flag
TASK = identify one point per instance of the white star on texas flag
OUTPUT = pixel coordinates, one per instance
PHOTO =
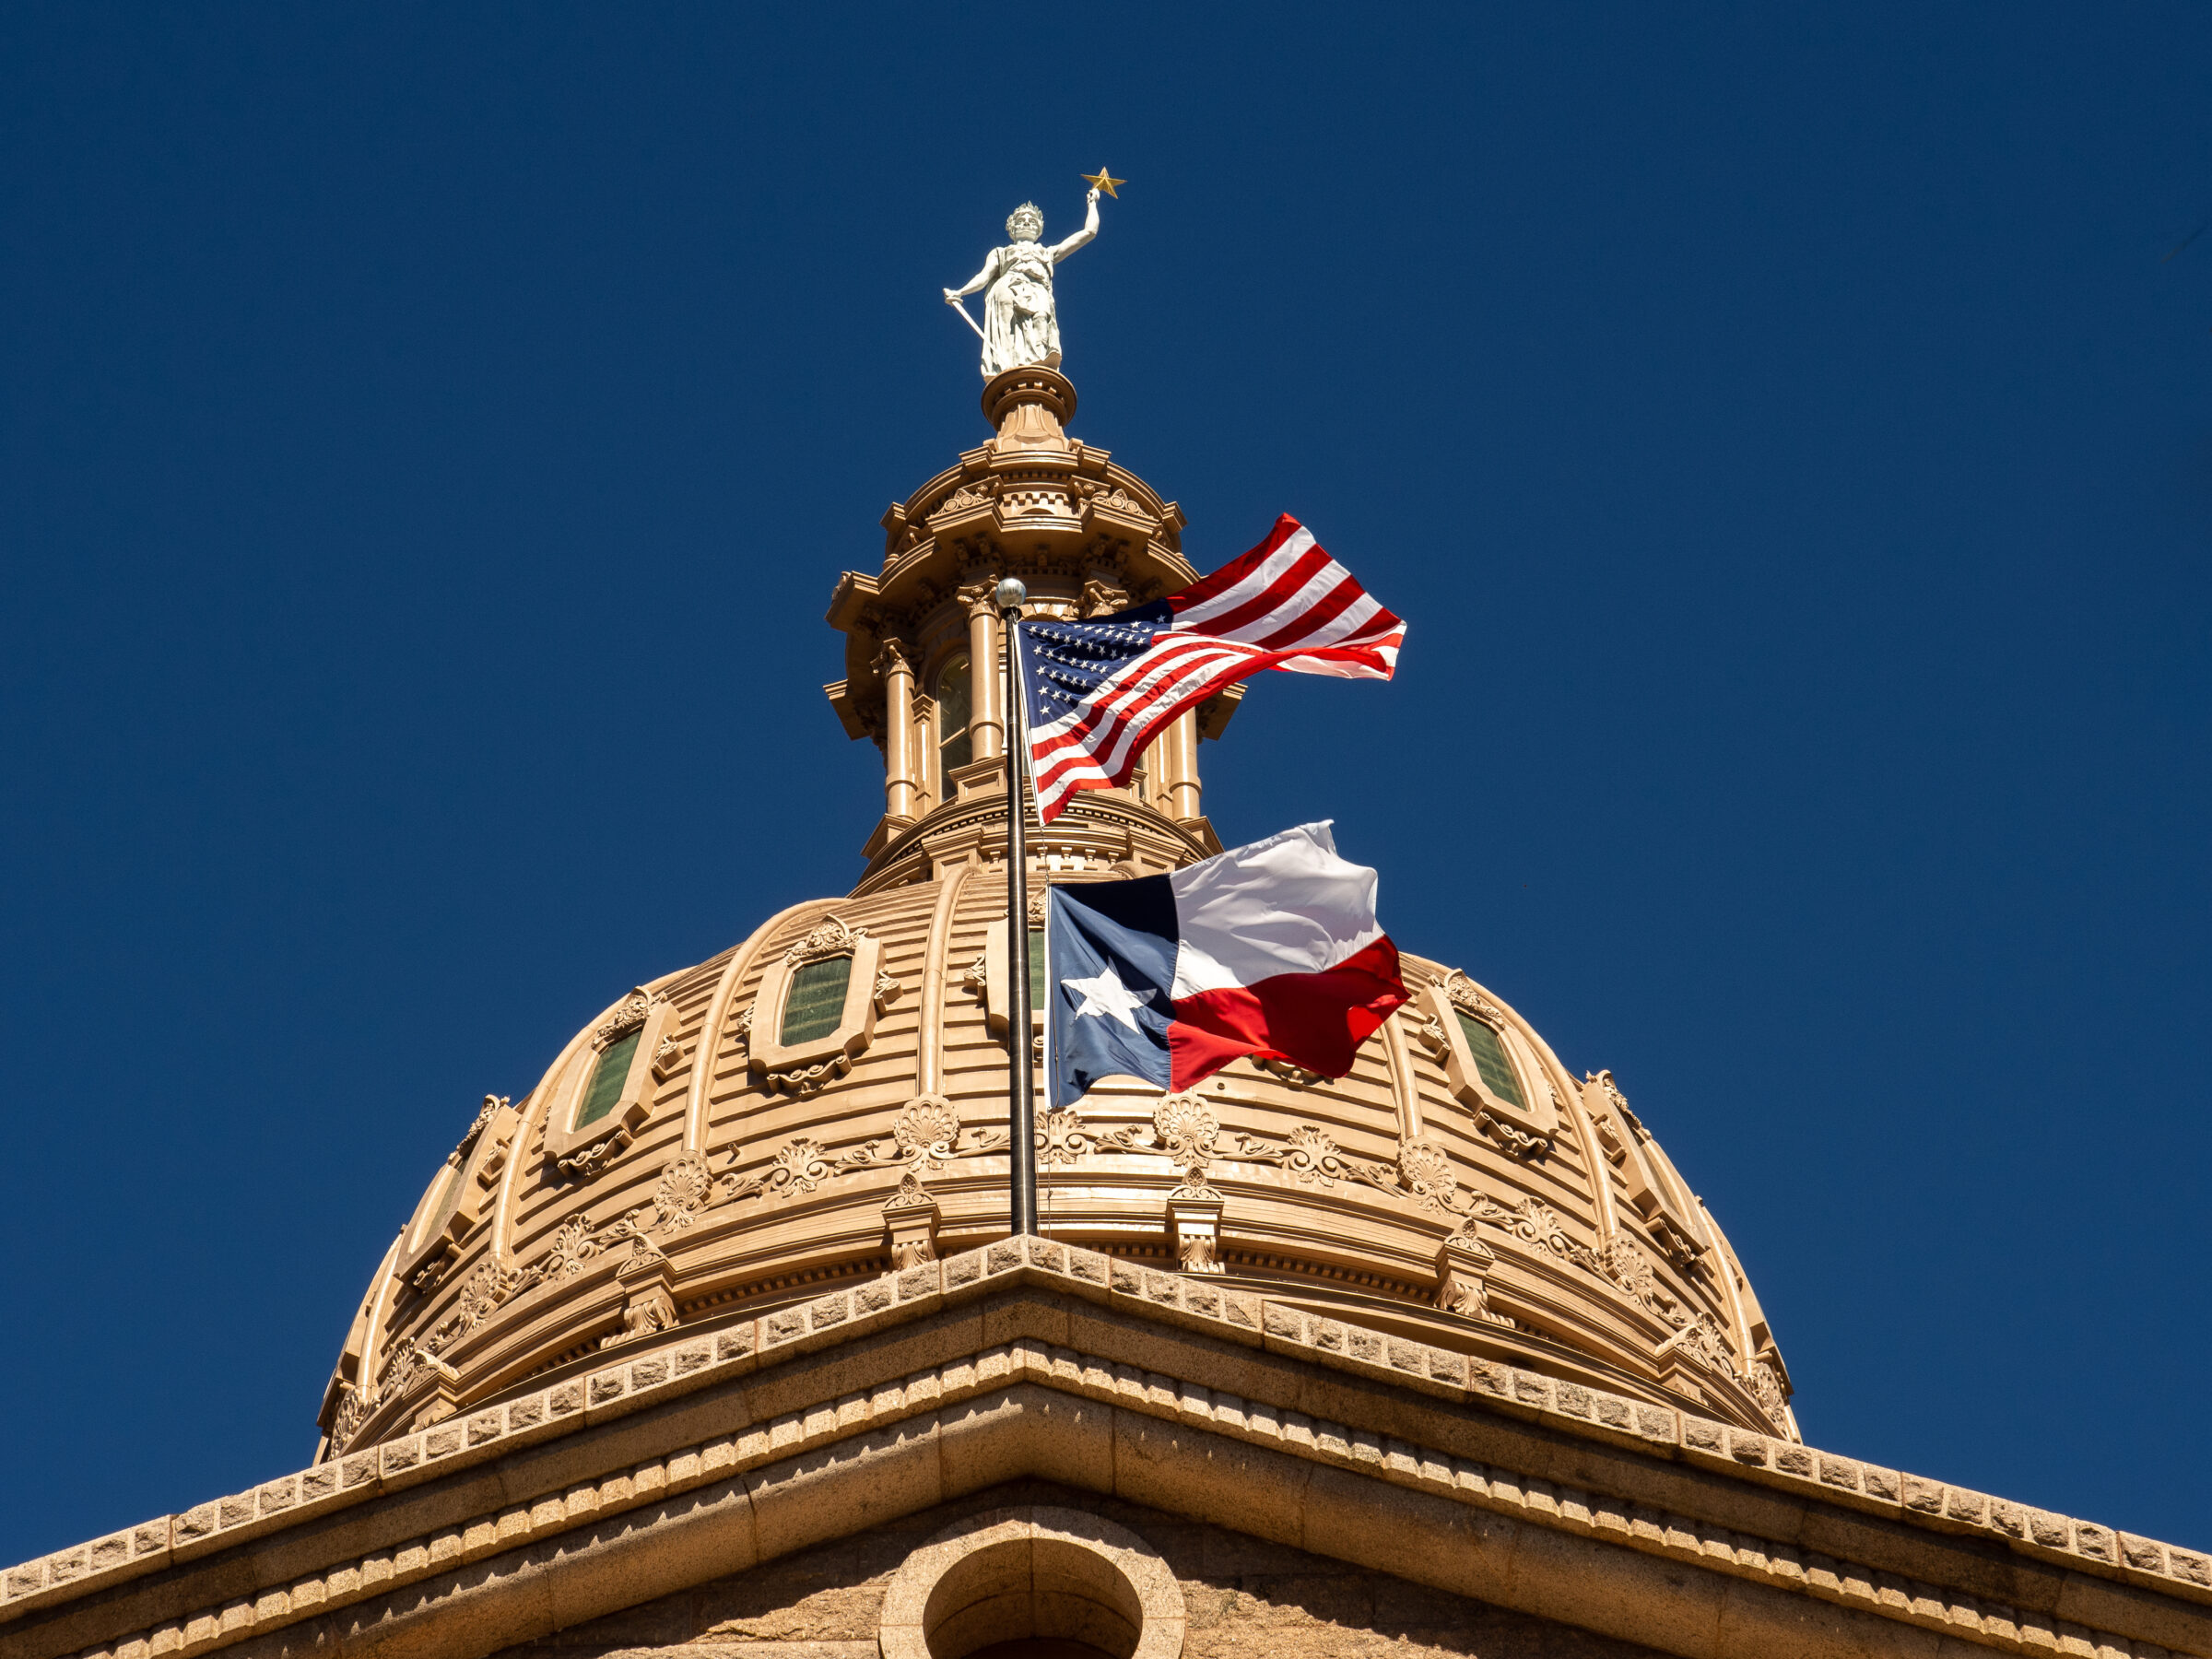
(1107, 996)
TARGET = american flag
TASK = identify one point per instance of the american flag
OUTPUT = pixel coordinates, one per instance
(1097, 692)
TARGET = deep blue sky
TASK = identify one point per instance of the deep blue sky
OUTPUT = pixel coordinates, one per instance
(428, 437)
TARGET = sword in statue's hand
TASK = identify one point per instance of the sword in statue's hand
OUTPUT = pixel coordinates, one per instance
(953, 299)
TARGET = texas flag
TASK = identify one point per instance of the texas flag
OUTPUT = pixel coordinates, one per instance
(1271, 949)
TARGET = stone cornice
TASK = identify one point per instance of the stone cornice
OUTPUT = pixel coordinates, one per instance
(696, 1457)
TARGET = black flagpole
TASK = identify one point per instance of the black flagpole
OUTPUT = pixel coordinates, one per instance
(1023, 1118)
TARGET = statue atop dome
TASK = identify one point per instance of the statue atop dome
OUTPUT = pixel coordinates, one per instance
(1021, 321)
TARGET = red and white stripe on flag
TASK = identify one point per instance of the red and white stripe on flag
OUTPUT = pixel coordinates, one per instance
(1286, 604)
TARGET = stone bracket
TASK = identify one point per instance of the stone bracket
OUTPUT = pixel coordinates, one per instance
(650, 1305)
(1194, 1229)
(1463, 1271)
(911, 1216)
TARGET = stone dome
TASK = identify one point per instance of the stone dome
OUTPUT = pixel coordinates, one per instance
(826, 1101)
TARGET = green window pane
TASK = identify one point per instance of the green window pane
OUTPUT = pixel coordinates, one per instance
(1036, 969)
(956, 696)
(607, 1078)
(1490, 1061)
(816, 1002)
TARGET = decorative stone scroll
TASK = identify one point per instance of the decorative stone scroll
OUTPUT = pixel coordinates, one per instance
(1309, 1155)
(1060, 1138)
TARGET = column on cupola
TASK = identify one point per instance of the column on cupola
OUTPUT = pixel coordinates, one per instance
(986, 723)
(900, 783)
(1175, 759)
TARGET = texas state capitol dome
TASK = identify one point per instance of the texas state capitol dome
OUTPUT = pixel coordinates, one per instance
(827, 1100)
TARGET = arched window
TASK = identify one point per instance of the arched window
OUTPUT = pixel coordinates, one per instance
(956, 704)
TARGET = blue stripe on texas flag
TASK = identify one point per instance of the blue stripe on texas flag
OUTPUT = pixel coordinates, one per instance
(1110, 973)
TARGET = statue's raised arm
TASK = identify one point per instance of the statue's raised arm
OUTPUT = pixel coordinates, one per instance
(1022, 324)
(1090, 229)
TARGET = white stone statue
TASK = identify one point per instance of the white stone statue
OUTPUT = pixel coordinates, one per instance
(1020, 323)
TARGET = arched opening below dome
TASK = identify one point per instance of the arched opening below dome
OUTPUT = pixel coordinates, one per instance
(1027, 1590)
(1033, 1583)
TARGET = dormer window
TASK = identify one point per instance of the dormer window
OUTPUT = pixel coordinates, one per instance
(989, 975)
(455, 1200)
(435, 1218)
(1658, 1193)
(816, 1007)
(1488, 1066)
(606, 1090)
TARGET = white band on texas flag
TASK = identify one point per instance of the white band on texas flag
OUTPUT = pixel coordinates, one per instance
(1270, 949)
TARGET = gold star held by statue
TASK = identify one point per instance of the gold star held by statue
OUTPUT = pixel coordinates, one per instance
(1098, 180)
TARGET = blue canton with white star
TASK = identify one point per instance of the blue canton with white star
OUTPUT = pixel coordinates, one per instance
(1064, 662)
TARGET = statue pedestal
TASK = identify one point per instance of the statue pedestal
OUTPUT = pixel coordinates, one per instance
(1031, 407)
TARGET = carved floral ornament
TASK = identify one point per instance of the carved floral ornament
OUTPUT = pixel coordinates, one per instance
(967, 498)
(626, 1019)
(928, 1135)
(832, 936)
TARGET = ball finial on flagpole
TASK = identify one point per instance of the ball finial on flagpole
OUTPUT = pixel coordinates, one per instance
(1010, 594)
